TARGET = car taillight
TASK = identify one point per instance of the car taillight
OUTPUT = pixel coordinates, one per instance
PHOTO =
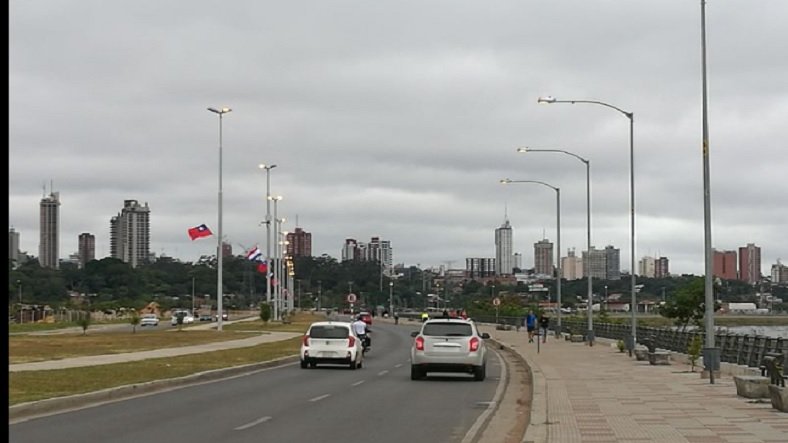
(351, 341)
(475, 344)
(419, 343)
(305, 340)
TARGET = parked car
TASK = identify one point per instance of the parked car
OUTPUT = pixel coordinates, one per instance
(448, 345)
(225, 317)
(331, 342)
(149, 320)
(187, 317)
(206, 317)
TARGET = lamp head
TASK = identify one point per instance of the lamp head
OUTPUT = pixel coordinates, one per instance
(546, 100)
(506, 181)
(220, 111)
(522, 150)
(264, 166)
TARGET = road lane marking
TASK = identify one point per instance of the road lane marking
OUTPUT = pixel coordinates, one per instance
(318, 398)
(254, 423)
(398, 365)
(357, 383)
(383, 372)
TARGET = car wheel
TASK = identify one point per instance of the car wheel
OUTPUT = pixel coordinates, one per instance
(360, 364)
(353, 365)
(312, 364)
(416, 373)
(479, 372)
(303, 364)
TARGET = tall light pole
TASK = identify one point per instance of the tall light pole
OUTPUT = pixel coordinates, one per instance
(590, 333)
(711, 355)
(267, 230)
(632, 287)
(275, 264)
(391, 299)
(558, 235)
(219, 287)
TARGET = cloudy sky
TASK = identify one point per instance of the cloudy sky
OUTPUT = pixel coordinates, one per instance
(399, 118)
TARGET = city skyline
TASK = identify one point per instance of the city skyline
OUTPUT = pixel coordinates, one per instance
(382, 121)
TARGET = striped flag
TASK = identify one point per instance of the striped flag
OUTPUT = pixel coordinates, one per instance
(254, 254)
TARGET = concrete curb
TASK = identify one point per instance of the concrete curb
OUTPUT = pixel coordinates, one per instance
(25, 411)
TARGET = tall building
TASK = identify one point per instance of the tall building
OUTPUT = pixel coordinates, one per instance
(543, 257)
(49, 235)
(87, 249)
(612, 263)
(130, 233)
(504, 257)
(647, 267)
(662, 269)
(13, 247)
(479, 267)
(376, 250)
(572, 266)
(750, 263)
(518, 261)
(779, 273)
(724, 264)
(299, 243)
(595, 263)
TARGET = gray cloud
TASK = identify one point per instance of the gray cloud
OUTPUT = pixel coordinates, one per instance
(398, 119)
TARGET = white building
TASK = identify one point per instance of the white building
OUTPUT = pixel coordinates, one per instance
(504, 254)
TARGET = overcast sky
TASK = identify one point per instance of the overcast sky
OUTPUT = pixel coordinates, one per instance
(397, 119)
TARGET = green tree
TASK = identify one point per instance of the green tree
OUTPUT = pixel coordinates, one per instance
(693, 351)
(265, 312)
(688, 305)
(134, 321)
(84, 322)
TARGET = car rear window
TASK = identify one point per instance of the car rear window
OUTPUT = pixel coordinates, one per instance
(448, 329)
(328, 331)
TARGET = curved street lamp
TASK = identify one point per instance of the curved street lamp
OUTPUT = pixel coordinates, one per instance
(558, 235)
(633, 285)
(219, 286)
(590, 333)
(267, 229)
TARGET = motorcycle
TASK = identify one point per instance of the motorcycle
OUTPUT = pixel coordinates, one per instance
(366, 342)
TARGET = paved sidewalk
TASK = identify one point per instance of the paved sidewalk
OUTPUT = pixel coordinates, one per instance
(598, 394)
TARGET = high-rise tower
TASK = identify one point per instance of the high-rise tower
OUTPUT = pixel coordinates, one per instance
(504, 254)
(49, 234)
(130, 233)
(750, 263)
(543, 257)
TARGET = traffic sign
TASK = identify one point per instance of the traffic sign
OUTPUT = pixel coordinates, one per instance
(496, 301)
(351, 298)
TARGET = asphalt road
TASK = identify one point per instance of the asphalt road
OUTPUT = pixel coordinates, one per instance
(288, 404)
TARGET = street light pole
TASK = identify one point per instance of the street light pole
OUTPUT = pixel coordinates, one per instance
(391, 299)
(633, 289)
(711, 355)
(275, 264)
(558, 241)
(267, 230)
(590, 333)
(219, 286)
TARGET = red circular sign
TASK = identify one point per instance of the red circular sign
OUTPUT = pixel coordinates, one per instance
(351, 298)
(496, 301)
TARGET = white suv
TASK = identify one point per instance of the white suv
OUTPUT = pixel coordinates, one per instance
(187, 317)
(332, 342)
(448, 345)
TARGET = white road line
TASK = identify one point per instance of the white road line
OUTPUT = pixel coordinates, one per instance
(383, 372)
(320, 397)
(358, 383)
(254, 423)
(398, 365)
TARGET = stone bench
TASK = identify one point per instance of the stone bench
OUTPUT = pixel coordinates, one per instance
(659, 358)
(751, 386)
(641, 354)
(779, 397)
(576, 338)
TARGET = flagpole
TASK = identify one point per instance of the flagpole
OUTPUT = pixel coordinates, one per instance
(219, 286)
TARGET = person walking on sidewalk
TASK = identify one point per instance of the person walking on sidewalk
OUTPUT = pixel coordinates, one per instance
(530, 325)
(544, 324)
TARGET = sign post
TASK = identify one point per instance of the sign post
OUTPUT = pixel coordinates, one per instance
(496, 303)
(351, 298)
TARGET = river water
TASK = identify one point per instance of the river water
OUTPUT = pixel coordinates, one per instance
(769, 331)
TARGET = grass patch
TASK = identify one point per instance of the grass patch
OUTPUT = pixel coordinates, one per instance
(38, 385)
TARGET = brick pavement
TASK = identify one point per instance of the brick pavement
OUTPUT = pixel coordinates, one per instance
(598, 394)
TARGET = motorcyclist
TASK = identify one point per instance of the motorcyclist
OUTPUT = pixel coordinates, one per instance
(360, 328)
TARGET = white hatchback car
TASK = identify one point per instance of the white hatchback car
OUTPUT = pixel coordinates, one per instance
(448, 345)
(149, 320)
(331, 342)
(187, 318)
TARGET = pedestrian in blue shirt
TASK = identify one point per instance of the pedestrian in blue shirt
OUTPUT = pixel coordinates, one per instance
(530, 325)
